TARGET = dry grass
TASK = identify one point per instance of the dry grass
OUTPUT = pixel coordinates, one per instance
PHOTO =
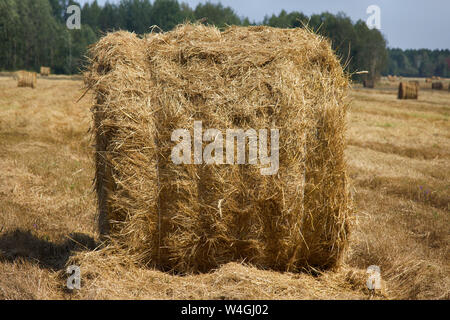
(398, 158)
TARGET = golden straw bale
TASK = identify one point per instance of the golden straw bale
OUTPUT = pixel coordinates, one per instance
(26, 79)
(45, 71)
(408, 90)
(437, 86)
(196, 217)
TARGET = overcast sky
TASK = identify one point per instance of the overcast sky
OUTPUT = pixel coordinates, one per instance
(407, 24)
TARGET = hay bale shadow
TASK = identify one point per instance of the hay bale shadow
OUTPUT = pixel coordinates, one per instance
(21, 244)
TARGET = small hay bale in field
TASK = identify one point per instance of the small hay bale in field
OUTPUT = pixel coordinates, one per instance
(45, 71)
(196, 217)
(392, 78)
(437, 86)
(428, 80)
(369, 83)
(26, 79)
(18, 74)
(408, 90)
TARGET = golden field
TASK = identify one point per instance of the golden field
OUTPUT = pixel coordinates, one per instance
(399, 162)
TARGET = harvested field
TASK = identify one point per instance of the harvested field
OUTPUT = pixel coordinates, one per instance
(398, 157)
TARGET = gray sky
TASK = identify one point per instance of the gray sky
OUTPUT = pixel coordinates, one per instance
(407, 24)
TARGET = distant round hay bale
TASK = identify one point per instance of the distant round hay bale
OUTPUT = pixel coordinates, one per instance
(437, 86)
(45, 71)
(26, 79)
(408, 90)
(195, 217)
(17, 74)
(392, 78)
(369, 83)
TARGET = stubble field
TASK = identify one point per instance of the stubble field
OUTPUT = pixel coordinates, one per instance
(398, 159)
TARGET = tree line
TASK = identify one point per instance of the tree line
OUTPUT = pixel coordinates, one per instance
(419, 63)
(34, 33)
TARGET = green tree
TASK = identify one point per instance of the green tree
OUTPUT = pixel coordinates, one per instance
(9, 27)
(187, 12)
(90, 15)
(109, 18)
(135, 15)
(216, 14)
(342, 33)
(370, 50)
(286, 20)
(166, 14)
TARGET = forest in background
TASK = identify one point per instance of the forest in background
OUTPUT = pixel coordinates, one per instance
(34, 33)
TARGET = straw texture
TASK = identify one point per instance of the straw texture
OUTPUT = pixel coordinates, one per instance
(193, 218)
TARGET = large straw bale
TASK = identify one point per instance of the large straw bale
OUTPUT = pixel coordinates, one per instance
(192, 218)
